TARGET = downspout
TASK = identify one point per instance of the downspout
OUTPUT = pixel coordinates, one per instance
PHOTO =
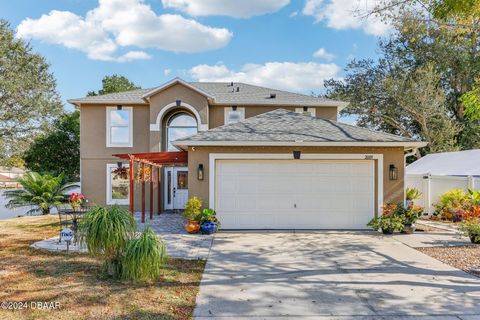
(412, 152)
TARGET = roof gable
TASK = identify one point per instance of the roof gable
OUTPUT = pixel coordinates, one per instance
(173, 82)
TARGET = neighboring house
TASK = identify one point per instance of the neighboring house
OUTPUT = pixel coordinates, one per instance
(270, 158)
(437, 173)
(8, 176)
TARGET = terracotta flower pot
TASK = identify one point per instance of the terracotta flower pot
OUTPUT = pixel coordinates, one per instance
(192, 226)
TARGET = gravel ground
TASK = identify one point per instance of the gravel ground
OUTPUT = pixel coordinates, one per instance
(425, 228)
(466, 258)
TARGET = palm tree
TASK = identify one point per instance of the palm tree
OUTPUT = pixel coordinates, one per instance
(40, 191)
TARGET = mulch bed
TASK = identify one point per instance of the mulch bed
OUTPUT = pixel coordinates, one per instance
(466, 258)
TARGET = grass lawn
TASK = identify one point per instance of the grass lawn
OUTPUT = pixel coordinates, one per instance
(73, 280)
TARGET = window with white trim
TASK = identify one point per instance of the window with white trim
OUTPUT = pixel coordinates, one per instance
(306, 111)
(118, 184)
(119, 126)
(234, 114)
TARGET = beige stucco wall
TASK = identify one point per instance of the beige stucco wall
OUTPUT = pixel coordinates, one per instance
(94, 154)
(392, 191)
(217, 112)
(93, 125)
(168, 96)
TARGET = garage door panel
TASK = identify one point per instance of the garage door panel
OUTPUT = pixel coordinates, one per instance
(294, 194)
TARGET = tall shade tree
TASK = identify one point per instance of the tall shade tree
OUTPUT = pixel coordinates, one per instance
(114, 83)
(39, 193)
(415, 44)
(398, 101)
(57, 152)
(29, 101)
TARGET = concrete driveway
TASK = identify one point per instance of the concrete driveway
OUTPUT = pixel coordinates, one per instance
(317, 275)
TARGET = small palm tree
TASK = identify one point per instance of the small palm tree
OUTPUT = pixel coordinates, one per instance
(39, 191)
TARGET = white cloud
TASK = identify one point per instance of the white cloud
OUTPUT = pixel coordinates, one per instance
(347, 14)
(323, 54)
(300, 77)
(121, 23)
(134, 55)
(167, 72)
(232, 8)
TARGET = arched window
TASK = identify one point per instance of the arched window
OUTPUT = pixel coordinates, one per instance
(179, 125)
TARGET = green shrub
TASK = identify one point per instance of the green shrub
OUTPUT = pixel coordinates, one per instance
(208, 214)
(474, 197)
(106, 232)
(471, 229)
(144, 258)
(451, 200)
(411, 214)
(193, 208)
(412, 194)
(387, 223)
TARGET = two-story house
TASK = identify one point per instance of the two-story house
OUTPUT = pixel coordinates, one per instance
(262, 158)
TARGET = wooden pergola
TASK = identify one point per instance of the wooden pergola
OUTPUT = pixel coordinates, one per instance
(153, 160)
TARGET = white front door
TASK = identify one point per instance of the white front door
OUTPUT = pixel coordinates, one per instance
(176, 187)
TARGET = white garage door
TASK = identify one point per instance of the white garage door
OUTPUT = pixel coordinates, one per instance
(294, 194)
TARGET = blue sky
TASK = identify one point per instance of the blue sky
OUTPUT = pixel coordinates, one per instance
(265, 42)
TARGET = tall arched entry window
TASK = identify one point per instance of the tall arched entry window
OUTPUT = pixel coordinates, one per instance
(179, 125)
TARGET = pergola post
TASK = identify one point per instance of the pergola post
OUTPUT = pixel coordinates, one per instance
(151, 192)
(143, 192)
(132, 191)
(159, 191)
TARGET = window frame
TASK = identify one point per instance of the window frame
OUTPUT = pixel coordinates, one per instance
(228, 109)
(167, 126)
(109, 199)
(111, 144)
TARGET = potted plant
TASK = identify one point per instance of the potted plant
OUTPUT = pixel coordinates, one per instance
(390, 220)
(410, 216)
(208, 221)
(387, 224)
(471, 229)
(411, 194)
(192, 213)
(75, 200)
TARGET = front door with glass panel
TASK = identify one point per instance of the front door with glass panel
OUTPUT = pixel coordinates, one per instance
(176, 187)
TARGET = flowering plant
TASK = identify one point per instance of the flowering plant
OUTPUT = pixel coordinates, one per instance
(75, 200)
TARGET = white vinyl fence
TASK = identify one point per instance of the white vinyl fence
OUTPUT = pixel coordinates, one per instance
(432, 187)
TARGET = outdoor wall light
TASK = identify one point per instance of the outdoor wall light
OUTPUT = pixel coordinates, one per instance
(200, 172)
(178, 103)
(119, 165)
(393, 172)
(296, 154)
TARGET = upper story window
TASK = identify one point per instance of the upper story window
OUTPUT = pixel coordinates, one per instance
(234, 114)
(119, 127)
(307, 111)
(180, 125)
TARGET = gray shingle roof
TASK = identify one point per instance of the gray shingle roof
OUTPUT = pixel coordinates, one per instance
(286, 126)
(133, 97)
(223, 93)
